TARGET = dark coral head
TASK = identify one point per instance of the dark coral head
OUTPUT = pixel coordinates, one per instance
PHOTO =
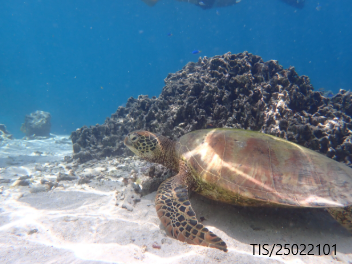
(144, 144)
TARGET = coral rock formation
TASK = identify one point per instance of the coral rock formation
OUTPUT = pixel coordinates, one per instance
(4, 134)
(231, 90)
(37, 124)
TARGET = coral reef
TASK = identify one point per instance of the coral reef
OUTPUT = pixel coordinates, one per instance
(231, 90)
(37, 124)
(4, 134)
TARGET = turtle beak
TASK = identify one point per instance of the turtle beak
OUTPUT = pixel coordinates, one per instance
(127, 141)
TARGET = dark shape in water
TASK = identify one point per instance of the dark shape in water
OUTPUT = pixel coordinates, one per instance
(207, 4)
(150, 2)
(295, 3)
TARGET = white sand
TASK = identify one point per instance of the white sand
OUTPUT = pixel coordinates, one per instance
(81, 223)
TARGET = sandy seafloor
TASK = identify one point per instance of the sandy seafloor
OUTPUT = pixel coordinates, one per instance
(80, 223)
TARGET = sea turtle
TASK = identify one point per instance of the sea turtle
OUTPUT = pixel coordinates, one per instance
(240, 167)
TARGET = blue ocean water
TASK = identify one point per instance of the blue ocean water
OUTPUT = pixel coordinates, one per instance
(80, 60)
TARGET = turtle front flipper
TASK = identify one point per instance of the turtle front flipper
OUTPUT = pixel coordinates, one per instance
(343, 215)
(176, 214)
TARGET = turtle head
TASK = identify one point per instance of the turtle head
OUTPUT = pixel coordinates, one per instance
(145, 144)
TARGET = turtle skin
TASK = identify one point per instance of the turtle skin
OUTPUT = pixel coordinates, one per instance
(244, 168)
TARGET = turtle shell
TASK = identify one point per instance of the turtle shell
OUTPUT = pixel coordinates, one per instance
(251, 168)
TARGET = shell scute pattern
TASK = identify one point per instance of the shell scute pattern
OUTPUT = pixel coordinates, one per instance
(247, 169)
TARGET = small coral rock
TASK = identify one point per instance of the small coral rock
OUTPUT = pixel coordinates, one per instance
(37, 123)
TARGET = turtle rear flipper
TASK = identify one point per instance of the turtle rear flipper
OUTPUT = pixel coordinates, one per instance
(176, 214)
(343, 215)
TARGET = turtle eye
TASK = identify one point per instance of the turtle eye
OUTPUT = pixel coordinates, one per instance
(133, 137)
